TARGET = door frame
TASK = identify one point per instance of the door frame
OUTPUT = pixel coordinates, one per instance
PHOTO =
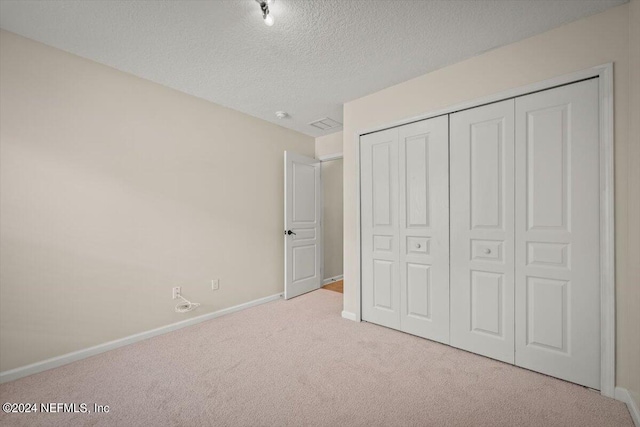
(329, 157)
(607, 219)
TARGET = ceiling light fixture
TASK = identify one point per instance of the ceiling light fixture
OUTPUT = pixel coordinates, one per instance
(264, 6)
(282, 114)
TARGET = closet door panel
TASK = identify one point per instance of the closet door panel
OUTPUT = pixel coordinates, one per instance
(482, 230)
(380, 233)
(557, 233)
(424, 228)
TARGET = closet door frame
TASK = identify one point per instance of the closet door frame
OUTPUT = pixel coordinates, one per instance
(607, 220)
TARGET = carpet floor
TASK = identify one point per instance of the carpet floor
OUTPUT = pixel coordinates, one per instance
(298, 363)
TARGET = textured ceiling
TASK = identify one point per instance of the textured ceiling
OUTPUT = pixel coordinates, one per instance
(318, 55)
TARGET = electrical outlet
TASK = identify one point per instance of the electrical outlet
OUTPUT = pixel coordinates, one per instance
(215, 284)
(176, 292)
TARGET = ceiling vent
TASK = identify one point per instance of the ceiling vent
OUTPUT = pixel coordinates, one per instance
(325, 124)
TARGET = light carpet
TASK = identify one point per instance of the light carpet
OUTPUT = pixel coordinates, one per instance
(298, 363)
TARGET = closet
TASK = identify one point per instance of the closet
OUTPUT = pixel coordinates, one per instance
(480, 229)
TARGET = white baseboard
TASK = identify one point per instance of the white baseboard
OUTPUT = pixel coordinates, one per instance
(349, 315)
(623, 395)
(65, 359)
(332, 279)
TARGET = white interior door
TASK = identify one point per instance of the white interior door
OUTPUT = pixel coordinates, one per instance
(482, 230)
(424, 228)
(380, 229)
(302, 225)
(405, 228)
(557, 233)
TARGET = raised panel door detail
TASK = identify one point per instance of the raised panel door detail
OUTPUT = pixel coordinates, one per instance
(486, 303)
(418, 245)
(304, 262)
(382, 243)
(304, 202)
(548, 254)
(419, 291)
(417, 181)
(423, 214)
(381, 178)
(557, 268)
(482, 230)
(487, 250)
(548, 184)
(383, 284)
(547, 313)
(486, 153)
(304, 234)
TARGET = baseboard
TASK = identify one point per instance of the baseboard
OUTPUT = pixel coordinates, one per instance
(332, 279)
(65, 359)
(349, 315)
(623, 395)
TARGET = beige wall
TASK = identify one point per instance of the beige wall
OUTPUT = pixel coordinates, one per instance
(115, 189)
(329, 144)
(583, 44)
(332, 181)
(332, 218)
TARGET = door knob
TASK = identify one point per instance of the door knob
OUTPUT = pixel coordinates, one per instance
(418, 245)
(289, 232)
(487, 251)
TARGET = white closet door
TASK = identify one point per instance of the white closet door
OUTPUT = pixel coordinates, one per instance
(380, 228)
(424, 228)
(557, 233)
(482, 230)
